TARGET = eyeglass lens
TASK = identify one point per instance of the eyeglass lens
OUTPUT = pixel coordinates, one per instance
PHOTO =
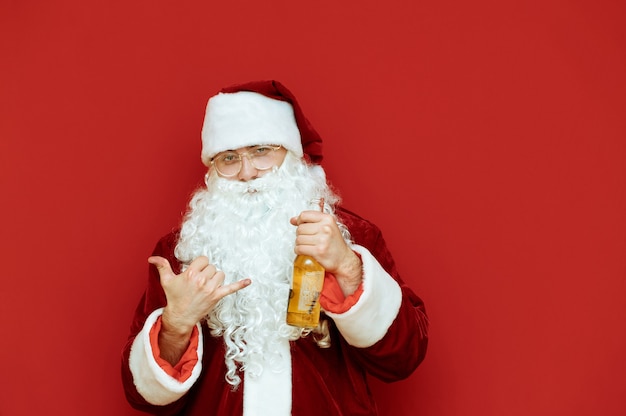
(261, 157)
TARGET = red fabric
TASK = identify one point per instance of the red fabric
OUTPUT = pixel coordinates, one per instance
(311, 140)
(182, 370)
(332, 298)
(336, 377)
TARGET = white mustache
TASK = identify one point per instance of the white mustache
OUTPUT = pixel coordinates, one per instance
(268, 181)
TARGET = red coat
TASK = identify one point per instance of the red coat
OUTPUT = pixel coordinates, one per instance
(329, 382)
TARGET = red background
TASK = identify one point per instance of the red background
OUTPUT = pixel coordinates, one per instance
(485, 138)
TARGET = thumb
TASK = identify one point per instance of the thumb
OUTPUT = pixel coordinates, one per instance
(162, 265)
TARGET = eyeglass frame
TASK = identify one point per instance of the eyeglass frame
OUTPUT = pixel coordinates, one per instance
(274, 147)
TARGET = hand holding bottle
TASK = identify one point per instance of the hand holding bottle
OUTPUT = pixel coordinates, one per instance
(319, 236)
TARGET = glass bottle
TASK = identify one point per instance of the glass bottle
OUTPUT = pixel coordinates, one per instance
(304, 306)
(303, 309)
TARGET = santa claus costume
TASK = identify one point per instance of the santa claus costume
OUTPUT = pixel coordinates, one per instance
(243, 359)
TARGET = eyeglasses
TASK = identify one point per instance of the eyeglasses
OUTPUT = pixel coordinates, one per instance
(262, 157)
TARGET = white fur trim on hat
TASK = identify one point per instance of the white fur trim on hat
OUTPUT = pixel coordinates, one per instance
(245, 118)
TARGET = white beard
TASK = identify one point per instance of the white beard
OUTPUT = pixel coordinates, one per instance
(244, 230)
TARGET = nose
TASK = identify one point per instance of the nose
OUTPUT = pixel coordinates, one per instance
(248, 171)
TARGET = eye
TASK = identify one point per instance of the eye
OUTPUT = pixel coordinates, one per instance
(261, 150)
(228, 158)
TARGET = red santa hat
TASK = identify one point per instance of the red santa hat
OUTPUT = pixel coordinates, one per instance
(258, 112)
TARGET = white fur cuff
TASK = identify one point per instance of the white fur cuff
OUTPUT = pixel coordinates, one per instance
(154, 384)
(368, 320)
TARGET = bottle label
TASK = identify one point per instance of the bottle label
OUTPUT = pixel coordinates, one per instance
(310, 289)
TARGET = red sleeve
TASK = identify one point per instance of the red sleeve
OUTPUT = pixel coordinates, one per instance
(182, 370)
(332, 298)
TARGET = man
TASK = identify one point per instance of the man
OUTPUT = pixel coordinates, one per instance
(209, 336)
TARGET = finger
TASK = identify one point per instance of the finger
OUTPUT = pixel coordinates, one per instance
(217, 277)
(233, 287)
(302, 218)
(306, 239)
(208, 275)
(197, 265)
(200, 263)
(162, 265)
(307, 229)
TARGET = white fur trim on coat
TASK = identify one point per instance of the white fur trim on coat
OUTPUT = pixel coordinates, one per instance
(270, 393)
(245, 118)
(368, 320)
(154, 384)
